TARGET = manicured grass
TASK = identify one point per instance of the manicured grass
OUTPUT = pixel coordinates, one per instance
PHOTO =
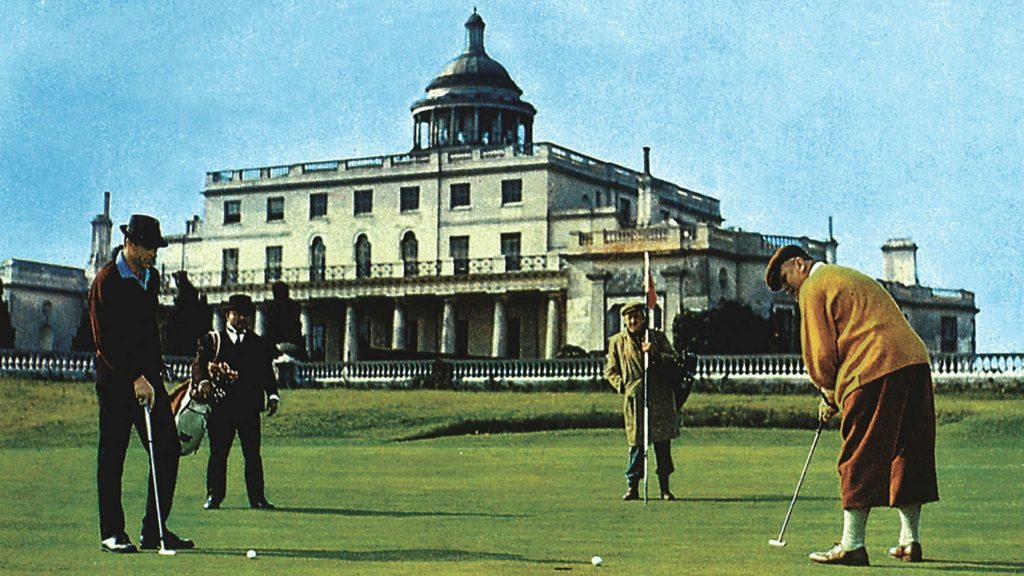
(353, 501)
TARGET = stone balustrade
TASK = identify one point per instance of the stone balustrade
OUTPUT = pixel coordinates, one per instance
(776, 371)
(324, 275)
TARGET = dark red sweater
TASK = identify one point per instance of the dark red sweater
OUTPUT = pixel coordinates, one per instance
(126, 330)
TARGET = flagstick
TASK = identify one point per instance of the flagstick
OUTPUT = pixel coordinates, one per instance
(648, 289)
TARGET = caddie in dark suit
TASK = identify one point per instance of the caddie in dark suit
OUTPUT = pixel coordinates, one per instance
(252, 391)
(624, 370)
(129, 375)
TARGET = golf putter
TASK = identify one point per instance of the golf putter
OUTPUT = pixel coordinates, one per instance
(779, 542)
(156, 491)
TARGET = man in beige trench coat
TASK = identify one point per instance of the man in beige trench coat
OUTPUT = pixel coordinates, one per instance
(624, 370)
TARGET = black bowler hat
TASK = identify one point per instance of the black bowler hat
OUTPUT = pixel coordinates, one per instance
(145, 231)
(240, 303)
(783, 254)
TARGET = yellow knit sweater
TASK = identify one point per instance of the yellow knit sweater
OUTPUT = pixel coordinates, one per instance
(852, 331)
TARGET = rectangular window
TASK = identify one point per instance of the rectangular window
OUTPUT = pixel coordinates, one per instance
(949, 335)
(511, 191)
(272, 273)
(459, 251)
(513, 338)
(462, 337)
(412, 335)
(625, 211)
(409, 199)
(317, 342)
(232, 211)
(459, 195)
(275, 208)
(317, 205)
(363, 202)
(510, 248)
(229, 267)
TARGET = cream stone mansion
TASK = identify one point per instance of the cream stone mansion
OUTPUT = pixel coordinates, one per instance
(480, 241)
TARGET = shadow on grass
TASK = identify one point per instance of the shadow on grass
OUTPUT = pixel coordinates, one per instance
(753, 499)
(386, 513)
(407, 555)
(994, 567)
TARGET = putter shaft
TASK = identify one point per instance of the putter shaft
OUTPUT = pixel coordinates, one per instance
(779, 541)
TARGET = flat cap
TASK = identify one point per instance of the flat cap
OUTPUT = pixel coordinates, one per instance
(784, 253)
(635, 305)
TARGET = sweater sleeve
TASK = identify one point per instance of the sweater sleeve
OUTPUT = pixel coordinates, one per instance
(108, 332)
(818, 335)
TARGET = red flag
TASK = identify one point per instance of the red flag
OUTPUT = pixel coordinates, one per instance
(652, 296)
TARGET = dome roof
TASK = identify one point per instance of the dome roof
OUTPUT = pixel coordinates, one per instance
(474, 68)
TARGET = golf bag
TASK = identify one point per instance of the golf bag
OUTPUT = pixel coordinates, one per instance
(679, 373)
(191, 404)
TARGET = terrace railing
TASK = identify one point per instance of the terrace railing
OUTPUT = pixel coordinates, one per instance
(958, 370)
(317, 275)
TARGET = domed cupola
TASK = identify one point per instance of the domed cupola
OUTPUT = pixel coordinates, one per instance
(473, 102)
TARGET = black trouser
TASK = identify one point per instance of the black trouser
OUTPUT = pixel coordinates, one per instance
(663, 453)
(118, 413)
(222, 424)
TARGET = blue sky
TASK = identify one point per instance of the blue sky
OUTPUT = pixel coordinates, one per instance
(897, 119)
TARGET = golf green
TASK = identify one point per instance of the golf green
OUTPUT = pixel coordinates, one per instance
(530, 503)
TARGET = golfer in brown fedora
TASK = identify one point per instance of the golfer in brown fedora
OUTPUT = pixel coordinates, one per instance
(871, 367)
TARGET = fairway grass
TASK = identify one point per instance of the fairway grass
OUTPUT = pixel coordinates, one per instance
(541, 503)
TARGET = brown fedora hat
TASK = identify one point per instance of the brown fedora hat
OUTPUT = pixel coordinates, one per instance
(144, 230)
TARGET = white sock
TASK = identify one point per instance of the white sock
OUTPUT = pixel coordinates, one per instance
(855, 522)
(910, 524)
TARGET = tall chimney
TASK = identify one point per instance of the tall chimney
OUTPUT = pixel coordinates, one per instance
(899, 261)
(647, 160)
(100, 249)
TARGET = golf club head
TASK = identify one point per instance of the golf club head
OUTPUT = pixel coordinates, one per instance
(166, 552)
(777, 543)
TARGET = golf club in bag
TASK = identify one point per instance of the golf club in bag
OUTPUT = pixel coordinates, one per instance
(156, 491)
(779, 541)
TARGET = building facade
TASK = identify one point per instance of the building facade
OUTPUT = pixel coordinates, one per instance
(45, 303)
(478, 241)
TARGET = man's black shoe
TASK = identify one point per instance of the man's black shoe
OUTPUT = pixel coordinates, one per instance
(211, 503)
(171, 542)
(262, 505)
(118, 544)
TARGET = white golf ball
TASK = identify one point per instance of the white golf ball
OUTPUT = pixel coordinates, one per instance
(596, 560)
(251, 554)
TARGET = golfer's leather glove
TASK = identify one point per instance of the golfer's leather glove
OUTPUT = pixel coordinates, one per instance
(826, 410)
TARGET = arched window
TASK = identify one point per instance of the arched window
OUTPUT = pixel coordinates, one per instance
(317, 260)
(410, 254)
(362, 256)
(723, 279)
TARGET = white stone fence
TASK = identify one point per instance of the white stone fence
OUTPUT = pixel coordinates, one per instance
(782, 372)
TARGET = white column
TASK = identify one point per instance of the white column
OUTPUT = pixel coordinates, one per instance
(307, 327)
(448, 327)
(551, 336)
(398, 327)
(260, 325)
(498, 344)
(350, 352)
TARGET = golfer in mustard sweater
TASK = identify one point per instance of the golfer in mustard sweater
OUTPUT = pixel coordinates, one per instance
(871, 367)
